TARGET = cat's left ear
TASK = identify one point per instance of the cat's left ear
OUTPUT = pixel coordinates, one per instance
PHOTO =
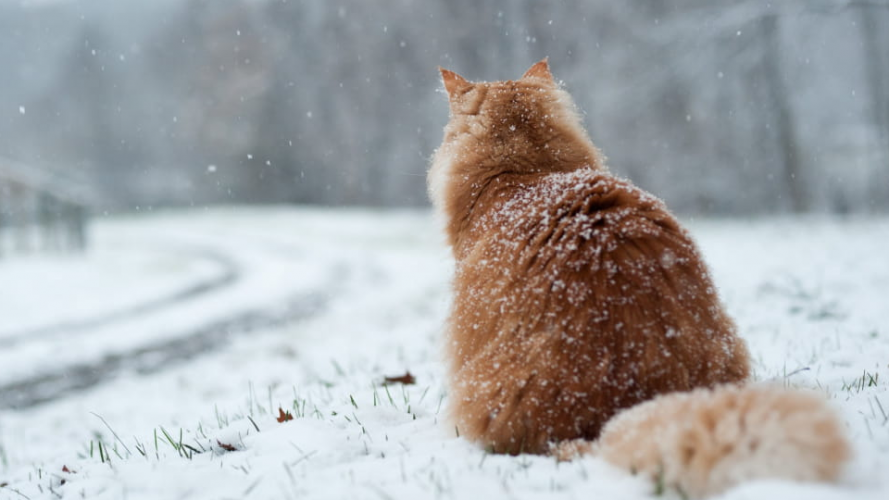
(540, 70)
(453, 82)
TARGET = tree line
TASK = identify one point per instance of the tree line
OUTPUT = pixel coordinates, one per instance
(720, 107)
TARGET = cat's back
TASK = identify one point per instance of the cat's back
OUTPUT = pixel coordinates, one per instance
(582, 221)
(587, 286)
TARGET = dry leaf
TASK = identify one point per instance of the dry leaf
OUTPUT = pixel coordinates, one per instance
(69, 471)
(284, 416)
(406, 379)
(226, 447)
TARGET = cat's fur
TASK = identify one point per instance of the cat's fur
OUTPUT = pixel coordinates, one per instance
(703, 442)
(576, 294)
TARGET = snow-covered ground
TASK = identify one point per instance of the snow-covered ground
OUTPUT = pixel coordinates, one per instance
(308, 310)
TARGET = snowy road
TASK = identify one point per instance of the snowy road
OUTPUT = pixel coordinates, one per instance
(220, 282)
(56, 327)
(55, 380)
(318, 308)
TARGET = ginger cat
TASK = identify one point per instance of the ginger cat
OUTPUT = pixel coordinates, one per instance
(576, 294)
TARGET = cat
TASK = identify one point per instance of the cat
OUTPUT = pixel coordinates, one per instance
(576, 294)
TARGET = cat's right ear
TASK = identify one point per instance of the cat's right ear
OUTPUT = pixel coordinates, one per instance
(541, 71)
(454, 84)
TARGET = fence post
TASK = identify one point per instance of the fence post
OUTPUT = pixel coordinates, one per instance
(78, 227)
(20, 198)
(4, 196)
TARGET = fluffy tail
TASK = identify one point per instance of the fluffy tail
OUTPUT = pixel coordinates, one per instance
(706, 441)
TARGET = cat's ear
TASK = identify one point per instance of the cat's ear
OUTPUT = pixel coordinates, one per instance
(540, 70)
(453, 82)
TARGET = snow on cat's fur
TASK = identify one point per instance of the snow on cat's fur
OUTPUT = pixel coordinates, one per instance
(576, 294)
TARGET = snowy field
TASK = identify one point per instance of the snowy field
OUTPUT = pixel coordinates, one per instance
(156, 365)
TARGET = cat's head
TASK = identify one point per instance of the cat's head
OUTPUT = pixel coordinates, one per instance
(508, 100)
(523, 126)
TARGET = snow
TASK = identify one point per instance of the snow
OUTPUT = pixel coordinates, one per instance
(175, 246)
(119, 278)
(809, 295)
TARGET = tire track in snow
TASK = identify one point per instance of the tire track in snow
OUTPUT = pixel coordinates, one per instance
(156, 357)
(229, 275)
(66, 380)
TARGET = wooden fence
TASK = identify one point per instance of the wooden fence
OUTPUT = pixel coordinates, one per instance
(38, 213)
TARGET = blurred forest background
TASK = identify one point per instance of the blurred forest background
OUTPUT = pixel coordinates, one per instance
(718, 106)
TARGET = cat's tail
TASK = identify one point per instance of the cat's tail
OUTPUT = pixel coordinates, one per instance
(708, 440)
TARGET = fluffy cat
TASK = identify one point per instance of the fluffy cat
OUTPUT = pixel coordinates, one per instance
(576, 294)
